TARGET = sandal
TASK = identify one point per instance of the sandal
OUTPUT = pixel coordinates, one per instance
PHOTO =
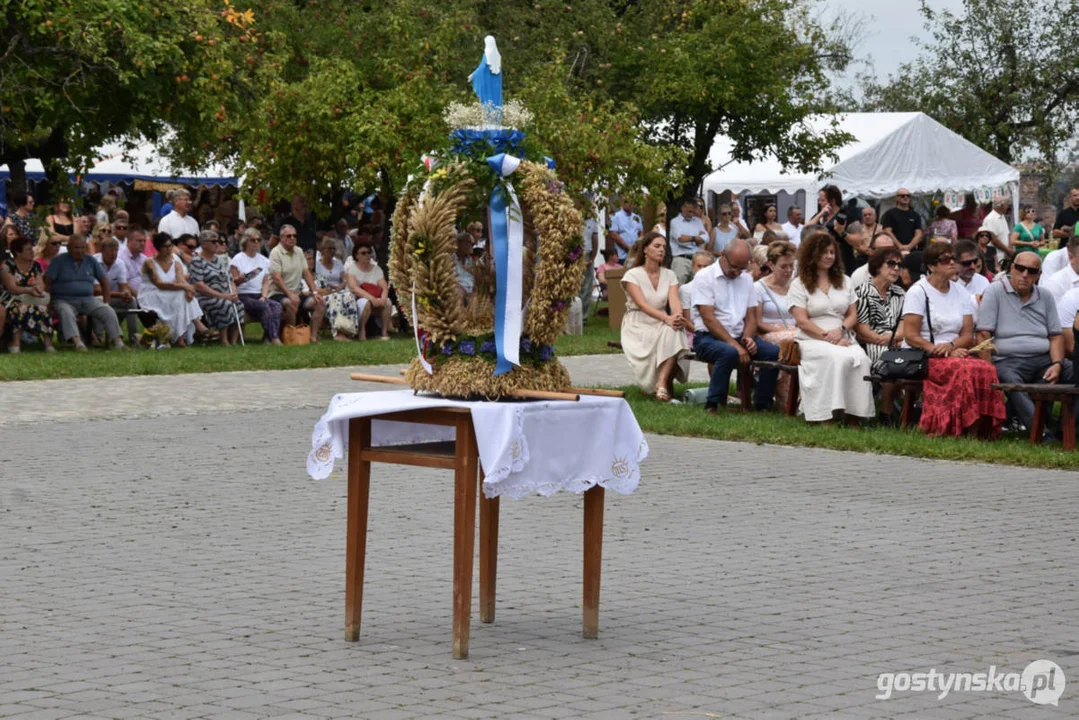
(662, 395)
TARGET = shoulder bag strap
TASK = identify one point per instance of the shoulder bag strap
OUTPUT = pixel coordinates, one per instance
(928, 316)
(773, 298)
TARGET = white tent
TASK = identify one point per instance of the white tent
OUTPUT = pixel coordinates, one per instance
(890, 151)
(141, 163)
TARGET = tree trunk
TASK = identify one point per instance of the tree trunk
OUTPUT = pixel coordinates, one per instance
(17, 169)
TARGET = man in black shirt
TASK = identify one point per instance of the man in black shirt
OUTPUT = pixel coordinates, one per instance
(903, 223)
(1064, 227)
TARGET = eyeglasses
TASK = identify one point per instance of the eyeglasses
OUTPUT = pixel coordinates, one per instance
(892, 263)
(54, 243)
(906, 195)
(969, 263)
(724, 214)
(288, 235)
(1033, 272)
(363, 252)
(192, 247)
(946, 260)
(120, 227)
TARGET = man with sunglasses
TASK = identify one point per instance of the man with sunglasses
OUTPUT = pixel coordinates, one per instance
(1023, 321)
(903, 223)
(969, 278)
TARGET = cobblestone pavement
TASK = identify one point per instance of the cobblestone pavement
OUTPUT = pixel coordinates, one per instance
(206, 579)
(166, 395)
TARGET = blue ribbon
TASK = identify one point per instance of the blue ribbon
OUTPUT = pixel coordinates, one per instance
(500, 243)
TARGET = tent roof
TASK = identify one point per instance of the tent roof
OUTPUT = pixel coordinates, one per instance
(141, 163)
(890, 151)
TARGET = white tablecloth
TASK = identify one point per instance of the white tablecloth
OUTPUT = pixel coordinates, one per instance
(524, 447)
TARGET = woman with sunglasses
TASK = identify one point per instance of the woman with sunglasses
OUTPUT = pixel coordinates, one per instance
(1028, 234)
(724, 231)
(880, 305)
(938, 317)
(61, 222)
(48, 247)
(251, 274)
(101, 231)
(369, 286)
(221, 307)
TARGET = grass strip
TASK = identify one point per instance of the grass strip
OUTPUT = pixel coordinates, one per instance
(776, 428)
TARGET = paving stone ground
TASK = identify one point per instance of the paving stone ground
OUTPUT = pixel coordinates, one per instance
(205, 579)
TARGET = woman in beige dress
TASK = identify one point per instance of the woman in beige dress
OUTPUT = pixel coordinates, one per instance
(653, 339)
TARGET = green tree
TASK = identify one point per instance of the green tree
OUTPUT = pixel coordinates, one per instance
(754, 70)
(1004, 74)
(75, 74)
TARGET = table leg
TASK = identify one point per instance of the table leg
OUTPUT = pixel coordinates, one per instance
(593, 559)
(359, 487)
(464, 533)
(488, 554)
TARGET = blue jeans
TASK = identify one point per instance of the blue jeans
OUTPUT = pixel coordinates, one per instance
(724, 359)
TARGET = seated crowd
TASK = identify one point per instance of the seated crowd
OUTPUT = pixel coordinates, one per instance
(87, 276)
(979, 322)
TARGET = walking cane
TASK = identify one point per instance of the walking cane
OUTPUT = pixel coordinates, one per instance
(235, 313)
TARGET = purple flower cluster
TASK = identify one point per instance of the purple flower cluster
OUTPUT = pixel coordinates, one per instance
(447, 348)
(546, 352)
(467, 347)
(526, 344)
(576, 253)
(488, 346)
(559, 305)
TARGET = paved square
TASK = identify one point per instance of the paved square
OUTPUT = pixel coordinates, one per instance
(206, 579)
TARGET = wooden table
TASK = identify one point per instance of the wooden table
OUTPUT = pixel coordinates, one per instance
(461, 456)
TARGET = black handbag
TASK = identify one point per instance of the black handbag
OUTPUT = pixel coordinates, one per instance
(906, 363)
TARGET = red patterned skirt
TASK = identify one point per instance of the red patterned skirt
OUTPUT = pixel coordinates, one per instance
(957, 394)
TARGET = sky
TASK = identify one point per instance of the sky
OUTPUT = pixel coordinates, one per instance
(889, 30)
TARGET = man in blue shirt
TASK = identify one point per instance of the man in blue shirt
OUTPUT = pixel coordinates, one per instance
(626, 227)
(70, 281)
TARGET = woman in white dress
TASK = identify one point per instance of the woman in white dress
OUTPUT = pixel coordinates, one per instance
(824, 307)
(166, 291)
(654, 340)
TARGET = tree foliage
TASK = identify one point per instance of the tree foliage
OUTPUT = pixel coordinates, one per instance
(305, 96)
(75, 74)
(1002, 73)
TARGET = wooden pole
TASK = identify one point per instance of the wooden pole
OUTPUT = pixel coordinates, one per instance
(364, 377)
(599, 392)
(520, 394)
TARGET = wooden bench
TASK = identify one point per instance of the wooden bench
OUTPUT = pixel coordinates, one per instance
(912, 390)
(791, 406)
(744, 380)
(1044, 395)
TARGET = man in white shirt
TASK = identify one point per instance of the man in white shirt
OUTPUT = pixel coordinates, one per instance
(132, 258)
(996, 223)
(1054, 262)
(626, 227)
(726, 332)
(688, 235)
(793, 226)
(122, 297)
(1066, 279)
(178, 222)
